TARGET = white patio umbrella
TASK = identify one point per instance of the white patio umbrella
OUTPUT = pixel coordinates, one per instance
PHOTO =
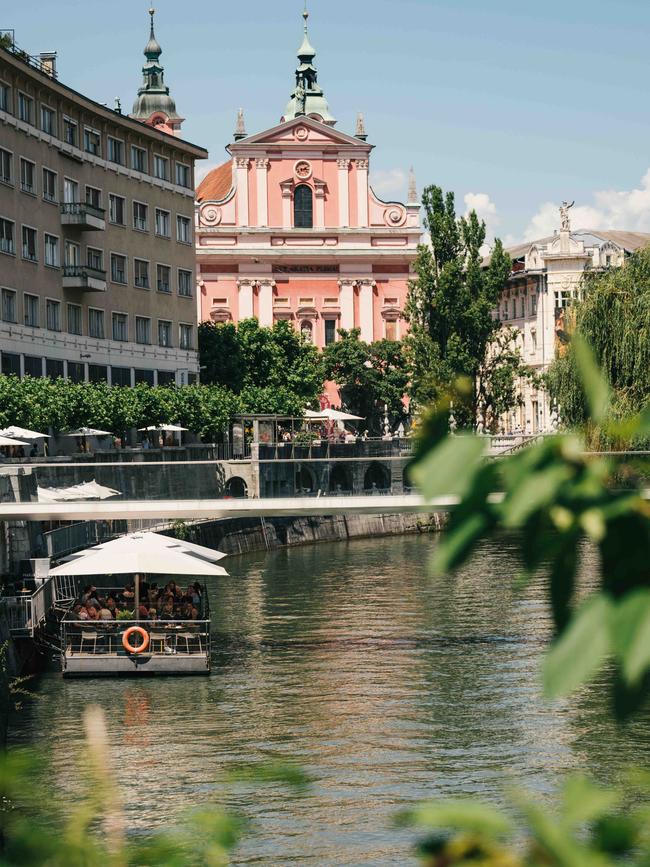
(8, 441)
(167, 428)
(23, 433)
(143, 553)
(88, 432)
(331, 415)
(84, 491)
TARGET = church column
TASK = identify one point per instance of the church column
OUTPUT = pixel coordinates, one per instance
(241, 164)
(319, 209)
(344, 193)
(262, 191)
(266, 286)
(362, 192)
(287, 197)
(366, 310)
(346, 301)
(245, 298)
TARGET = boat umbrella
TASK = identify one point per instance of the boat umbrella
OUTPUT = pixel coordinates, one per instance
(88, 432)
(22, 433)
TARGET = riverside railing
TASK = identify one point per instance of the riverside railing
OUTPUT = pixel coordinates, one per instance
(26, 613)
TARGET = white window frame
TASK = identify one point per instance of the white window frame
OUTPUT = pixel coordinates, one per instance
(171, 335)
(47, 326)
(58, 250)
(91, 249)
(112, 138)
(75, 183)
(169, 223)
(166, 161)
(46, 107)
(135, 283)
(10, 180)
(103, 320)
(81, 318)
(25, 162)
(55, 200)
(96, 132)
(145, 205)
(22, 251)
(178, 164)
(126, 268)
(146, 159)
(32, 102)
(123, 200)
(178, 282)
(115, 313)
(68, 121)
(182, 325)
(171, 271)
(189, 224)
(96, 189)
(13, 292)
(30, 295)
(13, 223)
(68, 245)
(146, 319)
(7, 106)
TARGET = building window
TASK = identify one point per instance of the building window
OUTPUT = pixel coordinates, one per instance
(4, 97)
(330, 331)
(141, 273)
(522, 307)
(49, 185)
(92, 141)
(53, 315)
(6, 160)
(74, 319)
(7, 240)
(185, 336)
(25, 108)
(96, 323)
(140, 216)
(29, 243)
(27, 176)
(163, 278)
(138, 159)
(95, 258)
(94, 198)
(70, 191)
(184, 283)
(162, 223)
(183, 175)
(116, 209)
(183, 229)
(70, 132)
(533, 340)
(8, 305)
(30, 303)
(160, 168)
(72, 254)
(118, 268)
(120, 327)
(391, 329)
(307, 331)
(303, 207)
(115, 151)
(164, 333)
(142, 330)
(48, 120)
(76, 371)
(52, 251)
(121, 376)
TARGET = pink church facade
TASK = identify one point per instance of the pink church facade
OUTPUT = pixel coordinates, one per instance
(289, 228)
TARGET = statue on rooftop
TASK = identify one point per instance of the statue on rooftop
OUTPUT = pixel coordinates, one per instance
(565, 222)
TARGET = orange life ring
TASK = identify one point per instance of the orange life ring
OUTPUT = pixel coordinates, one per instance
(127, 644)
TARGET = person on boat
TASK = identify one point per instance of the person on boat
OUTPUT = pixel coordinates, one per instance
(111, 604)
(167, 612)
(79, 611)
(92, 610)
(143, 612)
(127, 596)
(89, 594)
(105, 613)
(153, 614)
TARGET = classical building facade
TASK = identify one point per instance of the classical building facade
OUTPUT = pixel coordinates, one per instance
(546, 278)
(289, 227)
(97, 263)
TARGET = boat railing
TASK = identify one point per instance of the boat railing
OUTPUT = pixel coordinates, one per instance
(105, 637)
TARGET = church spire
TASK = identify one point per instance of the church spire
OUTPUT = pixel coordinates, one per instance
(154, 105)
(308, 99)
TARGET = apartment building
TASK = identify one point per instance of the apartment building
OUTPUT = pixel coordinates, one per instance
(97, 262)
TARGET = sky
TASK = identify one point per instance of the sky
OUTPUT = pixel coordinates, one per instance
(514, 105)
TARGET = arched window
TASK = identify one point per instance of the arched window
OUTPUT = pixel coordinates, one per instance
(303, 207)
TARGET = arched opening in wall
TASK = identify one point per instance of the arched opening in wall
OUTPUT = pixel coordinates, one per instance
(307, 331)
(303, 207)
(236, 487)
(377, 478)
(408, 481)
(340, 479)
(305, 482)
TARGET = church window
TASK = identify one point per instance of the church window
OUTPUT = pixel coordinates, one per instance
(303, 207)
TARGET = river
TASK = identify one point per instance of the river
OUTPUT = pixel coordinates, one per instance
(387, 686)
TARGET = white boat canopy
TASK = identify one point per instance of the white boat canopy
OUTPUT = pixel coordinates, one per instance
(22, 433)
(143, 554)
(83, 491)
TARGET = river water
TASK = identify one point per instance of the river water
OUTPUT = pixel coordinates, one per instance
(387, 686)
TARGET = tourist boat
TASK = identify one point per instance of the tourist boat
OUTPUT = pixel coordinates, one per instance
(133, 646)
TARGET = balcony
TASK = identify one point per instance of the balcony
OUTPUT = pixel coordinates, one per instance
(83, 216)
(84, 278)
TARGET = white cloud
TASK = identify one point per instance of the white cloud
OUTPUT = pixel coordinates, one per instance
(390, 183)
(611, 209)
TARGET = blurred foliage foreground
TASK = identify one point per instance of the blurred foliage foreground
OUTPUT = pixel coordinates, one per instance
(555, 496)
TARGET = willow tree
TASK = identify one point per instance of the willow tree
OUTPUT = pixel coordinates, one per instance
(614, 318)
(450, 305)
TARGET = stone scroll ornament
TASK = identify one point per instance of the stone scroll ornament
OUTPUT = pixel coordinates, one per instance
(394, 216)
(210, 215)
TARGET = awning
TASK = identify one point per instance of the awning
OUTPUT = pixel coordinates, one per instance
(144, 554)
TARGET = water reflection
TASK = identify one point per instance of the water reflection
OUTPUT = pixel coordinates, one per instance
(387, 686)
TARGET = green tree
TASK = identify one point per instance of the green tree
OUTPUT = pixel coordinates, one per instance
(499, 377)
(450, 305)
(369, 376)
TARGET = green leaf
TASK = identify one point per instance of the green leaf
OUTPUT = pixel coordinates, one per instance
(579, 652)
(594, 383)
(457, 543)
(631, 634)
(584, 801)
(448, 470)
(536, 491)
(473, 816)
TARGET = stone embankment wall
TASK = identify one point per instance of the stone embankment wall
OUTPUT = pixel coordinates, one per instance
(244, 535)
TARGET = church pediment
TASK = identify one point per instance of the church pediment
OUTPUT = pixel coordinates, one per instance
(300, 132)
